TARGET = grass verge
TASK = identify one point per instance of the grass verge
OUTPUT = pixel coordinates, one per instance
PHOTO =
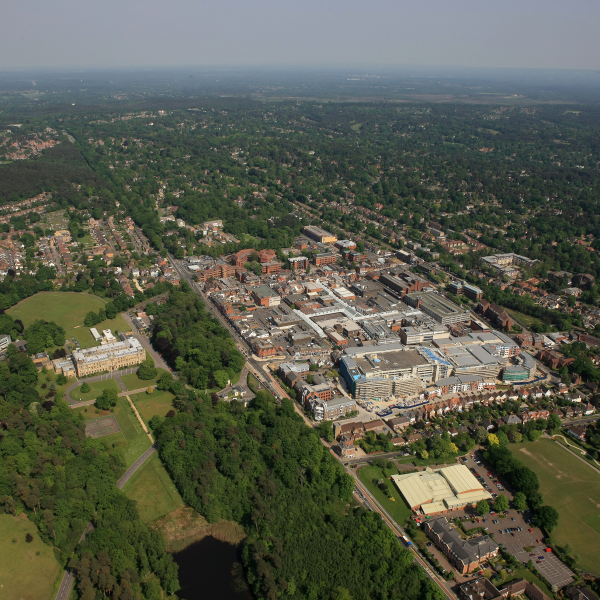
(397, 508)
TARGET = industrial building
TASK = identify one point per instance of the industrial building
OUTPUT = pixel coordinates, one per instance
(319, 235)
(431, 492)
(438, 308)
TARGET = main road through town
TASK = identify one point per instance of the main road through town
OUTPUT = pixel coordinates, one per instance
(270, 383)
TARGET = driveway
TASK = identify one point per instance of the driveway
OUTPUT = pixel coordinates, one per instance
(160, 363)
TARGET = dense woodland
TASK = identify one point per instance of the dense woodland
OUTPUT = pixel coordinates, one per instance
(265, 469)
(194, 341)
(62, 480)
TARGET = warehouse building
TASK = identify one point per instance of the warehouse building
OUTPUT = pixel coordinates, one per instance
(439, 308)
(432, 492)
(319, 235)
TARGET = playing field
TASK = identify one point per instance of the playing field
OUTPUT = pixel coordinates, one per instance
(64, 308)
(152, 489)
(573, 488)
(25, 575)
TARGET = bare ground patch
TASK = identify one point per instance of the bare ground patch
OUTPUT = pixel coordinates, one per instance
(185, 526)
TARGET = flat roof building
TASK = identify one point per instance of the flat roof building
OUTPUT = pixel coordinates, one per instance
(319, 235)
(437, 307)
(431, 492)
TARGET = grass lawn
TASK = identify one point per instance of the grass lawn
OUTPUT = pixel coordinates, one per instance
(96, 388)
(137, 442)
(84, 337)
(425, 462)
(64, 308)
(133, 382)
(158, 403)
(152, 489)
(525, 319)
(23, 574)
(573, 488)
(397, 509)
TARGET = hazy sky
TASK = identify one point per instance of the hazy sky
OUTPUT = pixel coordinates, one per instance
(472, 33)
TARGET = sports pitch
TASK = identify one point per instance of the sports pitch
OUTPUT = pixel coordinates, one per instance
(64, 308)
(102, 427)
(573, 488)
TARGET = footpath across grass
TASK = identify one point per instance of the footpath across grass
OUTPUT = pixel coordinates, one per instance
(64, 308)
(397, 508)
(28, 570)
(131, 439)
(152, 489)
(158, 403)
(572, 487)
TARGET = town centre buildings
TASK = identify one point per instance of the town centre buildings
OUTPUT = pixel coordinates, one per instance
(431, 492)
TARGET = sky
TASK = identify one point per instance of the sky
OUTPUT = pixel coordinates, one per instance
(553, 34)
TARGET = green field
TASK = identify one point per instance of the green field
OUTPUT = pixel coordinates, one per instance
(23, 574)
(397, 509)
(84, 337)
(133, 382)
(523, 318)
(96, 388)
(152, 489)
(573, 488)
(136, 441)
(65, 309)
(158, 403)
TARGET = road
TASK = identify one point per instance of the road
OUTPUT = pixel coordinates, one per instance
(399, 531)
(160, 363)
(66, 585)
(135, 466)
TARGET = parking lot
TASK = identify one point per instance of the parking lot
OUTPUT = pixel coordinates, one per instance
(525, 544)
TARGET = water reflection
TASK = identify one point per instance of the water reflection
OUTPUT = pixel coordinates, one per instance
(205, 571)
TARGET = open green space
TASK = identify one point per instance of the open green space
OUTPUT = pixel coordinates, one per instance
(158, 403)
(28, 570)
(397, 508)
(84, 337)
(132, 437)
(523, 318)
(133, 382)
(96, 388)
(572, 487)
(152, 489)
(64, 308)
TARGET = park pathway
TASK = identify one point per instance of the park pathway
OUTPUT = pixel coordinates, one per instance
(578, 456)
(116, 375)
(66, 585)
(139, 418)
(124, 394)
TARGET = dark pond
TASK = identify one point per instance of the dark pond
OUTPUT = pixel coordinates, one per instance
(205, 571)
